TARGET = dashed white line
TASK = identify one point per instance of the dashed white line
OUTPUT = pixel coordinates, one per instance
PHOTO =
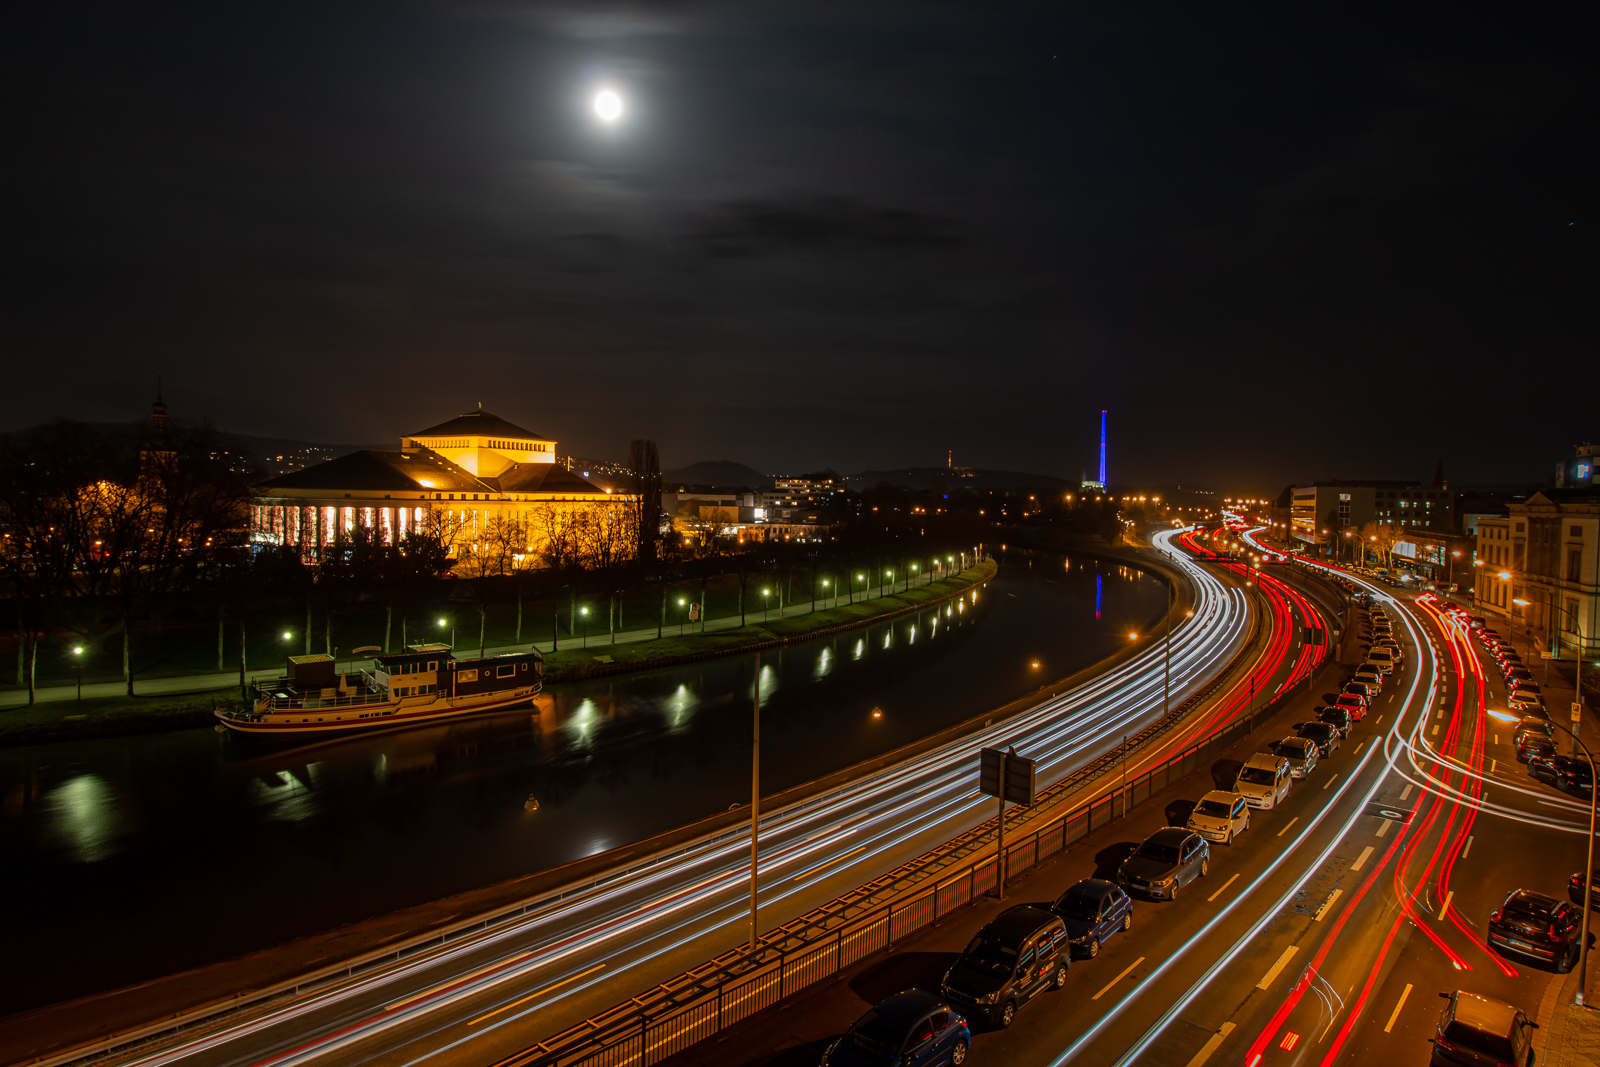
(1286, 826)
(1213, 1043)
(1361, 860)
(1328, 904)
(1219, 892)
(1107, 987)
(1277, 968)
(1404, 993)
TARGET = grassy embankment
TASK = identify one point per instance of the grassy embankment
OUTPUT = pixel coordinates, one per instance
(111, 716)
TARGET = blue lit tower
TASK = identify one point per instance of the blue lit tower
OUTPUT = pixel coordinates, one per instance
(1102, 448)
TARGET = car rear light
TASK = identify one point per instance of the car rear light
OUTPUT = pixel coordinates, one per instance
(1555, 935)
(1494, 916)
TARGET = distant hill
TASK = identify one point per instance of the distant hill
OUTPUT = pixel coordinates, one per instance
(718, 472)
(922, 478)
(272, 455)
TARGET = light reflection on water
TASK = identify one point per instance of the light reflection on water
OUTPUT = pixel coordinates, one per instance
(386, 821)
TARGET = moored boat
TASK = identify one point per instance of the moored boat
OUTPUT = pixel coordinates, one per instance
(425, 683)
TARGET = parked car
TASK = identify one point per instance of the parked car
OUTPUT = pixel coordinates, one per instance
(1169, 859)
(1518, 675)
(1477, 622)
(1525, 703)
(1360, 689)
(1264, 780)
(1220, 816)
(1534, 746)
(1337, 716)
(1301, 754)
(1529, 727)
(1479, 1031)
(1380, 659)
(1355, 706)
(1575, 890)
(1533, 924)
(1325, 735)
(1371, 679)
(913, 1028)
(1013, 959)
(1093, 910)
(1563, 772)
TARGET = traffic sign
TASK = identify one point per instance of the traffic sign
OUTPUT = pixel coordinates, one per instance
(1018, 772)
(1577, 710)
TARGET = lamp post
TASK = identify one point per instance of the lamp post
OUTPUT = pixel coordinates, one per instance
(584, 611)
(766, 604)
(681, 603)
(1588, 866)
(442, 624)
(77, 666)
(824, 594)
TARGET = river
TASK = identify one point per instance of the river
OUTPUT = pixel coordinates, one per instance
(128, 858)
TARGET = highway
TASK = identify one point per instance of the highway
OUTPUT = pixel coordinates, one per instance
(1323, 935)
(483, 998)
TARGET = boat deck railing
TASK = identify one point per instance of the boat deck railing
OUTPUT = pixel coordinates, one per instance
(268, 698)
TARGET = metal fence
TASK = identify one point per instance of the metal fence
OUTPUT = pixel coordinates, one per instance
(650, 1037)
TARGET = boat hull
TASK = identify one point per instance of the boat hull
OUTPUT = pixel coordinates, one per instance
(405, 711)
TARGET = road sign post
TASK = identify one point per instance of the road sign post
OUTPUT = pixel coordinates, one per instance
(1005, 776)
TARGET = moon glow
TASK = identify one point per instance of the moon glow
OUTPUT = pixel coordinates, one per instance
(607, 105)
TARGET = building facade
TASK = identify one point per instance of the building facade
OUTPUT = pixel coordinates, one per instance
(461, 480)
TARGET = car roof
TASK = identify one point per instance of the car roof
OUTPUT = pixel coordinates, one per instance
(1093, 888)
(1269, 760)
(1223, 796)
(1170, 835)
(1295, 742)
(1483, 1013)
(1015, 924)
(1538, 900)
(908, 1005)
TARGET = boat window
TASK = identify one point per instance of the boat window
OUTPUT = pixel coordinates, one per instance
(505, 670)
(433, 665)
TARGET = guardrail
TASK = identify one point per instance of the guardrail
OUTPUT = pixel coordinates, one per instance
(661, 1022)
(716, 1001)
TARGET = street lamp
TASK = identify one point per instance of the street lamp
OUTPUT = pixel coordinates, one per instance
(77, 666)
(765, 603)
(681, 603)
(584, 611)
(1588, 867)
(442, 624)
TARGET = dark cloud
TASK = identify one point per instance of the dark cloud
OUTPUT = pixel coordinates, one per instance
(773, 227)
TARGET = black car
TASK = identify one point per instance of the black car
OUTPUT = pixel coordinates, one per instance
(1335, 716)
(1533, 924)
(1532, 746)
(1533, 727)
(1016, 957)
(1169, 859)
(1479, 1031)
(914, 1027)
(1563, 772)
(1093, 910)
(1326, 735)
(1575, 890)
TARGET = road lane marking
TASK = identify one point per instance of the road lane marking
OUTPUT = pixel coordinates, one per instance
(1358, 748)
(1468, 848)
(1446, 906)
(1435, 729)
(1361, 860)
(457, 980)
(1404, 993)
(1286, 826)
(1219, 892)
(1337, 893)
(830, 863)
(1376, 722)
(1405, 792)
(1107, 988)
(1335, 778)
(1497, 739)
(1383, 828)
(536, 993)
(1213, 1043)
(1492, 767)
(1277, 968)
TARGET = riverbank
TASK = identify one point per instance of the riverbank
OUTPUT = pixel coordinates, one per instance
(112, 716)
(672, 650)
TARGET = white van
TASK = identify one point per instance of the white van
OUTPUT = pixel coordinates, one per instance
(1382, 659)
(1264, 780)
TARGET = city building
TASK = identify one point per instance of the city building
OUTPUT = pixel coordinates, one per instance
(1324, 512)
(1540, 562)
(454, 480)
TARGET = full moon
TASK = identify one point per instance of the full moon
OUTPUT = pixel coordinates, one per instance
(608, 105)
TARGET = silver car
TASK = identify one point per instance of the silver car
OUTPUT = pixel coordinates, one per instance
(1301, 754)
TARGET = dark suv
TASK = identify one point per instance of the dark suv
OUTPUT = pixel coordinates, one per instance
(913, 1028)
(1479, 1031)
(1016, 957)
(1533, 924)
(1093, 910)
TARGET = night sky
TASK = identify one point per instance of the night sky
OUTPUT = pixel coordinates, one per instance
(1276, 244)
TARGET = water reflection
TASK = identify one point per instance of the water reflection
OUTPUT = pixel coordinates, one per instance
(372, 824)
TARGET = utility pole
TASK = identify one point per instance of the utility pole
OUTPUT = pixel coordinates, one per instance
(1000, 844)
(755, 800)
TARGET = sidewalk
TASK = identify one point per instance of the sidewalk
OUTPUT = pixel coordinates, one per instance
(190, 683)
(1568, 1035)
